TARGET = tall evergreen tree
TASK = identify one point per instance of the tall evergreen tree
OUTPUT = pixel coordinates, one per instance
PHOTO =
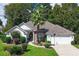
(18, 12)
(65, 15)
(39, 16)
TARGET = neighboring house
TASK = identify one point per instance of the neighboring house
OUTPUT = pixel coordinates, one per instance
(54, 33)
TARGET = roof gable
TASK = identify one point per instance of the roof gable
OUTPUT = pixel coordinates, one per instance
(52, 28)
(12, 29)
(24, 26)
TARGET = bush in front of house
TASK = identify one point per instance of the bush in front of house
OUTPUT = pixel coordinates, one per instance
(8, 46)
(2, 37)
(15, 34)
(16, 50)
(1, 33)
(22, 39)
(24, 46)
(4, 53)
(73, 42)
(16, 37)
(8, 40)
(47, 44)
(1, 46)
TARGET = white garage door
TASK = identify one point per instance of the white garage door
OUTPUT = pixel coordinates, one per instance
(60, 40)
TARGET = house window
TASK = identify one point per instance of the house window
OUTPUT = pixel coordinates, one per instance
(41, 37)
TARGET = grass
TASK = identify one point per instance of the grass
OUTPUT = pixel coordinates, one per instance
(77, 46)
(31, 51)
(36, 51)
(2, 50)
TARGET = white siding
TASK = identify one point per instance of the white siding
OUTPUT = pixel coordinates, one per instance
(60, 40)
(16, 29)
(25, 27)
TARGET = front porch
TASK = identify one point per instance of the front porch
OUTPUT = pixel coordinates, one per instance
(39, 36)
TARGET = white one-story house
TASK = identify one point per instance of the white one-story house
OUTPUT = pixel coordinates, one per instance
(54, 33)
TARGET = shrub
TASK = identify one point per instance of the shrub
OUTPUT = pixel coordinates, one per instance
(4, 53)
(2, 50)
(24, 46)
(16, 50)
(15, 34)
(42, 43)
(8, 39)
(48, 44)
(8, 46)
(73, 42)
(22, 39)
(2, 36)
(1, 33)
(76, 39)
(1, 46)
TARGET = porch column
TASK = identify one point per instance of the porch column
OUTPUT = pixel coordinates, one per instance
(35, 38)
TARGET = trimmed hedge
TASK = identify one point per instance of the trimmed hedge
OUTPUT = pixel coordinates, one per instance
(16, 50)
(2, 37)
(22, 39)
(15, 34)
(24, 46)
(8, 39)
(8, 46)
(48, 44)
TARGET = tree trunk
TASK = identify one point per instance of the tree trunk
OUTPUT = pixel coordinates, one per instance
(38, 27)
(35, 38)
(36, 35)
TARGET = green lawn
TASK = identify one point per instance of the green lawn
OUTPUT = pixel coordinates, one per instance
(31, 51)
(77, 46)
(35, 51)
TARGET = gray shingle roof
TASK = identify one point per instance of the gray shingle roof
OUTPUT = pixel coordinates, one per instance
(52, 29)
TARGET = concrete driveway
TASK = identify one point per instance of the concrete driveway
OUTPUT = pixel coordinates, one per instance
(66, 50)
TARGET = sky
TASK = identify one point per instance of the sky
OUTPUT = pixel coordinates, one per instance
(2, 13)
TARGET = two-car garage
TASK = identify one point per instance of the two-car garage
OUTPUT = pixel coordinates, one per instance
(60, 39)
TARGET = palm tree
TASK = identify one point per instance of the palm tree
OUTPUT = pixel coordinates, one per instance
(38, 17)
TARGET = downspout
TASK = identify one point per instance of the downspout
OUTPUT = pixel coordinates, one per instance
(54, 39)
